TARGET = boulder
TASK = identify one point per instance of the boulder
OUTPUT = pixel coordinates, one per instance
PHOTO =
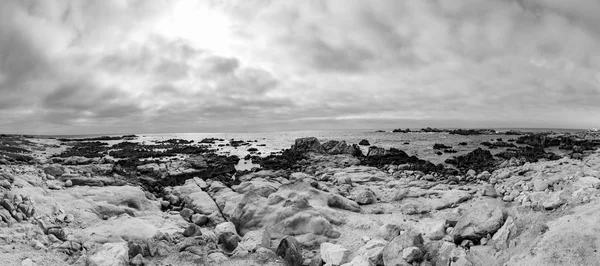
(411, 254)
(333, 254)
(373, 251)
(393, 251)
(310, 144)
(477, 222)
(364, 142)
(111, 254)
(366, 197)
(289, 250)
(389, 231)
(255, 239)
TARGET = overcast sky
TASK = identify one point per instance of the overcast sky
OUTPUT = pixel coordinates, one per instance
(118, 66)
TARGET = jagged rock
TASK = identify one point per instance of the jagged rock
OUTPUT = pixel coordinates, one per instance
(310, 144)
(411, 254)
(192, 230)
(333, 254)
(393, 251)
(138, 260)
(111, 254)
(504, 234)
(438, 231)
(254, 239)
(373, 251)
(289, 250)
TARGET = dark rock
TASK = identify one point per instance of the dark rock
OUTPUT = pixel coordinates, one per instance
(364, 142)
(229, 241)
(192, 230)
(439, 146)
(310, 144)
(479, 159)
(289, 250)
(462, 144)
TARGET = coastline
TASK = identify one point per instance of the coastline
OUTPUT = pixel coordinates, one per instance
(316, 202)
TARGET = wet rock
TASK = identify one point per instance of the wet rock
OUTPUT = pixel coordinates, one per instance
(310, 144)
(289, 250)
(364, 142)
(333, 254)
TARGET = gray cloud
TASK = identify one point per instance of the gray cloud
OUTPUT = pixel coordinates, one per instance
(143, 66)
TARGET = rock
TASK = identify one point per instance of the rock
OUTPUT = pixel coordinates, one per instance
(68, 183)
(192, 230)
(138, 260)
(393, 251)
(69, 218)
(201, 202)
(111, 254)
(539, 185)
(485, 175)
(400, 194)
(437, 232)
(55, 170)
(28, 262)
(254, 239)
(186, 213)
(501, 238)
(366, 197)
(289, 250)
(389, 231)
(411, 254)
(471, 173)
(373, 251)
(364, 142)
(478, 221)
(489, 191)
(310, 144)
(5, 184)
(217, 258)
(333, 254)
(199, 219)
(58, 233)
(358, 261)
(229, 241)
(224, 228)
(553, 201)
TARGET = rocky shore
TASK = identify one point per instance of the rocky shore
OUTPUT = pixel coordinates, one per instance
(176, 202)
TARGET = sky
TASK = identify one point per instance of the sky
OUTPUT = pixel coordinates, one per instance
(137, 66)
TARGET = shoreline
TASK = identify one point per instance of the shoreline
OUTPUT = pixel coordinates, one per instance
(313, 203)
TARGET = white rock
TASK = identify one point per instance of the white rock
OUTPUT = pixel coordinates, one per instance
(333, 254)
(111, 254)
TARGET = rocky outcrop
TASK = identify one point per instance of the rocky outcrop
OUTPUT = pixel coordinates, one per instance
(479, 159)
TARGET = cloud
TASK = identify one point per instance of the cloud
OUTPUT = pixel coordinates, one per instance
(149, 66)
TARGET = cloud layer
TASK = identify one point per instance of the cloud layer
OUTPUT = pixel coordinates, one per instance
(126, 66)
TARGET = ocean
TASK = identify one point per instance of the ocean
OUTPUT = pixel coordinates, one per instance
(419, 144)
